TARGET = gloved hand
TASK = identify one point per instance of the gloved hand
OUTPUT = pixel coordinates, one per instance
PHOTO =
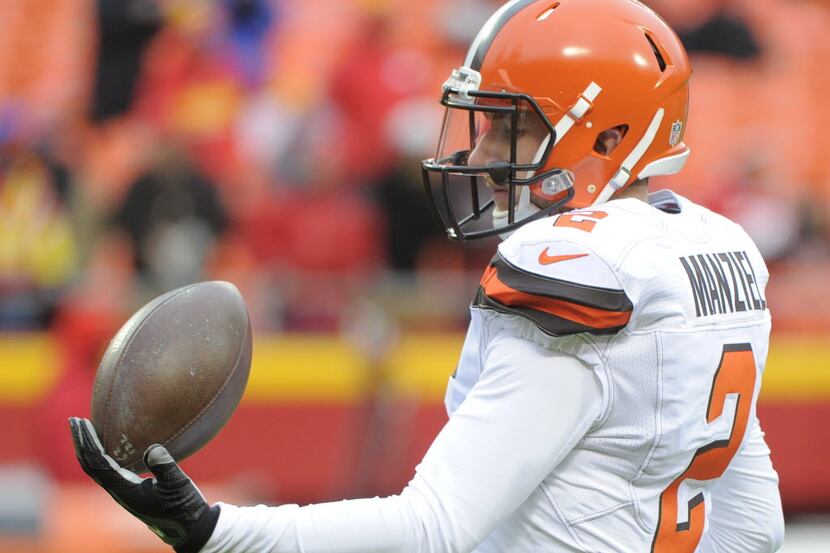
(170, 504)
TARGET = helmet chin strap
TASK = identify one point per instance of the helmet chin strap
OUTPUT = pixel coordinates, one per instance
(523, 210)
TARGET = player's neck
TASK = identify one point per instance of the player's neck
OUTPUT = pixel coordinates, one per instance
(638, 190)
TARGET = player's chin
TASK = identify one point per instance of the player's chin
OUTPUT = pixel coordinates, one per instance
(501, 197)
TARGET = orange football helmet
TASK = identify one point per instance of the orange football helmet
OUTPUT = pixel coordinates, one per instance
(576, 68)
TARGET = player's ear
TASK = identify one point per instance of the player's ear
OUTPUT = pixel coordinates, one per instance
(609, 139)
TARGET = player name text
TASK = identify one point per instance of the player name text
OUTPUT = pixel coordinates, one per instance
(723, 283)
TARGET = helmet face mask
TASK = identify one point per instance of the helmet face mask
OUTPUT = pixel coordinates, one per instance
(540, 85)
(491, 143)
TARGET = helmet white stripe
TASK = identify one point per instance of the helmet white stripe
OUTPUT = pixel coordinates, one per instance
(665, 166)
(538, 157)
(624, 173)
(577, 112)
(485, 34)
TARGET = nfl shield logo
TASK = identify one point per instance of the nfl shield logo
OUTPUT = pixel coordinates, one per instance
(676, 128)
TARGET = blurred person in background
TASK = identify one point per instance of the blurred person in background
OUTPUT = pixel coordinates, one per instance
(400, 193)
(249, 23)
(125, 29)
(714, 27)
(335, 241)
(39, 253)
(173, 216)
(605, 395)
(373, 76)
(753, 200)
(238, 32)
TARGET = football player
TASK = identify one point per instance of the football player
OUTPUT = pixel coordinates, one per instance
(605, 396)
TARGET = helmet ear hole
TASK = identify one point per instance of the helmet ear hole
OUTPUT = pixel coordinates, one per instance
(608, 140)
(661, 60)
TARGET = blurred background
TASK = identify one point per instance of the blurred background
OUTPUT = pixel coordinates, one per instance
(147, 144)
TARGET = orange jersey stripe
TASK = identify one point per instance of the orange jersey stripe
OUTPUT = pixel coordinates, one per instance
(581, 314)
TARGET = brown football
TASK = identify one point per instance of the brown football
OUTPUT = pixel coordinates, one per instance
(173, 374)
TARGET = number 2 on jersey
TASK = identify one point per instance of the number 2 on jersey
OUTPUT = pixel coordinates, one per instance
(735, 375)
(582, 220)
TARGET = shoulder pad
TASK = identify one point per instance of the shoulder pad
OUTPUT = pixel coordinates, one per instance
(558, 279)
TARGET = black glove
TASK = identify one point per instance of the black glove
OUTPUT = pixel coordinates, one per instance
(170, 504)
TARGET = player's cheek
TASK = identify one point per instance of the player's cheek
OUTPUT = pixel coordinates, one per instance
(526, 147)
(493, 145)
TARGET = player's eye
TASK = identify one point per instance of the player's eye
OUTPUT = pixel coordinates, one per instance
(500, 122)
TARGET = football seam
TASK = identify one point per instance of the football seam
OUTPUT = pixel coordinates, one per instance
(123, 351)
(218, 393)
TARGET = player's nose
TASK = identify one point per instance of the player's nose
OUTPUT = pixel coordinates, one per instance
(487, 151)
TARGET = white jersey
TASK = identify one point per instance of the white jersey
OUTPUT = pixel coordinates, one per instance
(604, 402)
(666, 302)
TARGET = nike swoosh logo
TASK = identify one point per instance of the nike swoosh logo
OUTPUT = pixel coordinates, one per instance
(546, 259)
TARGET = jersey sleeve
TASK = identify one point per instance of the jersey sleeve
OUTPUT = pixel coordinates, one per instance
(465, 486)
(563, 288)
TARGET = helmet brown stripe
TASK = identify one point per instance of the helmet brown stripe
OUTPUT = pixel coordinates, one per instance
(485, 37)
